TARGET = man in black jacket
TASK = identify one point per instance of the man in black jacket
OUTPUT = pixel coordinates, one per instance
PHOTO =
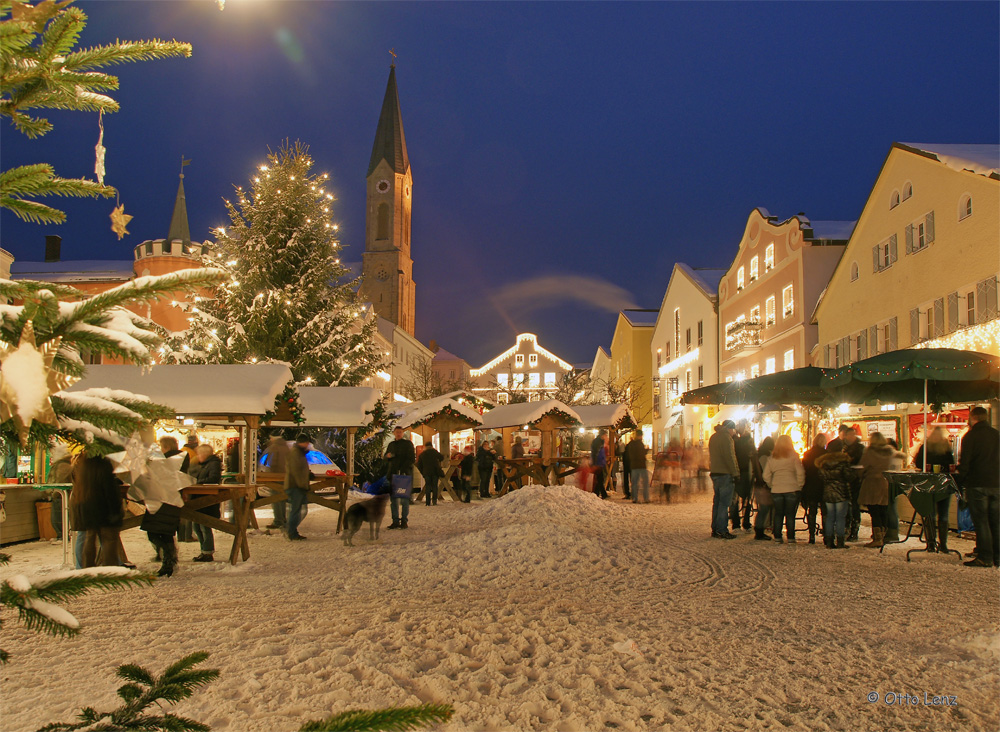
(429, 465)
(401, 456)
(979, 473)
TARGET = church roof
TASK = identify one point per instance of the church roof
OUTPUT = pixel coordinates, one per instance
(390, 143)
(179, 228)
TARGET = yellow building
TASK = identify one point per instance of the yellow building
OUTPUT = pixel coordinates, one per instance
(921, 266)
(631, 367)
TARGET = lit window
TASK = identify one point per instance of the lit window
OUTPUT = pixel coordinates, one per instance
(769, 257)
(533, 359)
(787, 302)
(755, 371)
(701, 376)
(755, 314)
(518, 380)
(534, 380)
(740, 282)
(502, 397)
(503, 380)
(754, 268)
(729, 379)
(789, 360)
(855, 271)
(769, 312)
(769, 366)
(519, 359)
(687, 380)
(965, 208)
(550, 378)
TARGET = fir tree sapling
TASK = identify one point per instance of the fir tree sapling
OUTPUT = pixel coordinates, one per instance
(394, 719)
(40, 70)
(288, 297)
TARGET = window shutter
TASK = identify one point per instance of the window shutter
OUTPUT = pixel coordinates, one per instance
(845, 348)
(827, 358)
(991, 298)
(909, 238)
(938, 317)
(892, 249)
(952, 311)
(981, 302)
(862, 345)
(891, 344)
(914, 326)
(873, 339)
(929, 228)
(875, 258)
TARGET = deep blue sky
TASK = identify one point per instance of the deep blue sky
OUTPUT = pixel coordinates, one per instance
(572, 149)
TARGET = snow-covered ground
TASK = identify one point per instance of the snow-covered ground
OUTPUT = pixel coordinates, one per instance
(522, 612)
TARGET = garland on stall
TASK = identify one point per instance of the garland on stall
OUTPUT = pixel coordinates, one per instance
(558, 414)
(288, 397)
(445, 411)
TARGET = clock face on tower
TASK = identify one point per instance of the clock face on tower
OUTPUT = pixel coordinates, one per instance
(382, 186)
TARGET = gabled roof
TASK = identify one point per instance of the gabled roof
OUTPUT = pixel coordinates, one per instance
(526, 413)
(981, 159)
(390, 143)
(641, 318)
(706, 278)
(446, 355)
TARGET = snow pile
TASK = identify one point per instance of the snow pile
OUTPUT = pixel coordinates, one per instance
(558, 504)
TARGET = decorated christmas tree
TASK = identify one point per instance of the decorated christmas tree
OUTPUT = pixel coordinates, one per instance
(40, 70)
(288, 297)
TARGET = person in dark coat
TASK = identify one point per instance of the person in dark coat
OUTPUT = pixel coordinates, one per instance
(207, 471)
(484, 457)
(626, 468)
(812, 490)
(297, 476)
(847, 441)
(836, 473)
(465, 469)
(979, 473)
(599, 463)
(743, 497)
(95, 506)
(939, 460)
(429, 465)
(401, 457)
(275, 458)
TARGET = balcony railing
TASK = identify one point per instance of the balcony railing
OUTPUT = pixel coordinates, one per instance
(742, 335)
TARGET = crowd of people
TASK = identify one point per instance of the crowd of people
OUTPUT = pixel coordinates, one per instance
(833, 480)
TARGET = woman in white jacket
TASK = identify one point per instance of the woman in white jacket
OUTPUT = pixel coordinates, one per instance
(785, 476)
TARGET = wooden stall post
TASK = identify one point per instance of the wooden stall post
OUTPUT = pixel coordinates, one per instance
(351, 431)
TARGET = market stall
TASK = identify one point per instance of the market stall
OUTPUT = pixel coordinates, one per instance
(239, 395)
(547, 417)
(441, 415)
(616, 419)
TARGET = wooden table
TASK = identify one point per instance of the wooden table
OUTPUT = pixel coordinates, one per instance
(329, 491)
(449, 469)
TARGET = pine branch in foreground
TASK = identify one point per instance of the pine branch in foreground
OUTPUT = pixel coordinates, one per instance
(395, 719)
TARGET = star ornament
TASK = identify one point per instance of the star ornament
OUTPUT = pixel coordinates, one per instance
(27, 382)
(119, 220)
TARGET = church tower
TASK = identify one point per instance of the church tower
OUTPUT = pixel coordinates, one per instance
(387, 268)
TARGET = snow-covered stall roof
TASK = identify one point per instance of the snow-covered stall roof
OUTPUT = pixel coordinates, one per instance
(196, 389)
(515, 415)
(463, 394)
(336, 406)
(595, 416)
(413, 414)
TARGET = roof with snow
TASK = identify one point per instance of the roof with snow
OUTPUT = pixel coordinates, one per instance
(595, 416)
(336, 406)
(706, 278)
(443, 354)
(515, 415)
(461, 394)
(193, 390)
(641, 318)
(412, 414)
(79, 270)
(981, 159)
(833, 230)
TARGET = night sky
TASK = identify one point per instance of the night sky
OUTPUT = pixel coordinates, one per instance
(564, 155)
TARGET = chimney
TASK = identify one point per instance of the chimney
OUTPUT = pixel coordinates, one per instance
(433, 346)
(52, 246)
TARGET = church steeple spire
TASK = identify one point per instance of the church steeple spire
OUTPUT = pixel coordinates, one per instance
(390, 143)
(179, 228)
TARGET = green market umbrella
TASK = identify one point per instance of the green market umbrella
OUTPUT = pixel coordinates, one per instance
(796, 386)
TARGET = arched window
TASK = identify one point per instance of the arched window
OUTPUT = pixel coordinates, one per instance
(894, 200)
(854, 271)
(382, 232)
(907, 190)
(965, 207)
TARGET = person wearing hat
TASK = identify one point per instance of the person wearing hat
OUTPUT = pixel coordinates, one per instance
(297, 483)
(724, 470)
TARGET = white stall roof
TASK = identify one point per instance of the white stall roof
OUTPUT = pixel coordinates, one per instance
(595, 416)
(412, 412)
(514, 415)
(337, 406)
(196, 389)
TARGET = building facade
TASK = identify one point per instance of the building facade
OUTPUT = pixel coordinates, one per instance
(921, 267)
(631, 369)
(449, 370)
(406, 367)
(767, 296)
(684, 352)
(387, 266)
(525, 371)
(600, 376)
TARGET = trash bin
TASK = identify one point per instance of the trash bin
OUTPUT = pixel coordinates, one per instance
(44, 511)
